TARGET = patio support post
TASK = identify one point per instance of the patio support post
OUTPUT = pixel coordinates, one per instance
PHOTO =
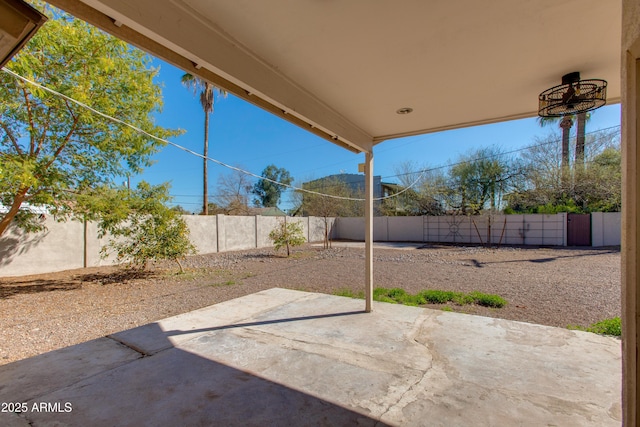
(368, 229)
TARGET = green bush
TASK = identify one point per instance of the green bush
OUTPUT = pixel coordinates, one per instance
(611, 326)
(607, 327)
(460, 298)
(488, 300)
(378, 292)
(397, 294)
(436, 297)
(429, 296)
(140, 225)
(393, 296)
(287, 234)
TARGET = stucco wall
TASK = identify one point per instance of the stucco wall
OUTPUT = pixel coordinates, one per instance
(605, 228)
(546, 230)
(236, 232)
(62, 247)
(203, 233)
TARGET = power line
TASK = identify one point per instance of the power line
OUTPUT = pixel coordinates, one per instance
(554, 141)
(165, 141)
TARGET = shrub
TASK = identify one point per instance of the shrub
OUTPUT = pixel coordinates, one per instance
(400, 296)
(141, 227)
(462, 299)
(611, 326)
(287, 234)
(395, 295)
(384, 298)
(383, 295)
(436, 297)
(488, 300)
(378, 292)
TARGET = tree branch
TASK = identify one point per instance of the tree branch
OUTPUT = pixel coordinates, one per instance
(13, 210)
(63, 144)
(44, 133)
(31, 124)
(13, 139)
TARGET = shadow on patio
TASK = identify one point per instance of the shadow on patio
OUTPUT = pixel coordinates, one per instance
(282, 357)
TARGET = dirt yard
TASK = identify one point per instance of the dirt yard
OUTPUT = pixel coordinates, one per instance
(557, 287)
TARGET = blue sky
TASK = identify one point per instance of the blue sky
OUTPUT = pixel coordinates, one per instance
(248, 137)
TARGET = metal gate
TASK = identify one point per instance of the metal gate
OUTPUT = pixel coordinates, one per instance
(578, 229)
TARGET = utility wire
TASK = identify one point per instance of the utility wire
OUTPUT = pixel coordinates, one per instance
(554, 141)
(165, 141)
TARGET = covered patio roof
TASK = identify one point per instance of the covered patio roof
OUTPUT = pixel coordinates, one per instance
(343, 69)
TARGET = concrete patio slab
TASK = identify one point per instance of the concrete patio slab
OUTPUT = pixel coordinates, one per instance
(282, 357)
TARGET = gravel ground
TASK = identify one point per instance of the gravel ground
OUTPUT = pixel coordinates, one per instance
(556, 287)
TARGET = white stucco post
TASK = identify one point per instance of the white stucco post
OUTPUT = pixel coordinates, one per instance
(368, 229)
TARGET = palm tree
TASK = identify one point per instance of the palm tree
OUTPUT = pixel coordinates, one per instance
(207, 93)
(580, 140)
(566, 123)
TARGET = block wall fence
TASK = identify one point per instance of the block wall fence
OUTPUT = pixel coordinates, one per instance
(72, 245)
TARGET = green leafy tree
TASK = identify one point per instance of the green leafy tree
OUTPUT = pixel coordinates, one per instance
(268, 193)
(207, 93)
(139, 224)
(287, 234)
(52, 150)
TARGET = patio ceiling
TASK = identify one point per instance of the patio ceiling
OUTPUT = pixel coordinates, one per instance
(342, 69)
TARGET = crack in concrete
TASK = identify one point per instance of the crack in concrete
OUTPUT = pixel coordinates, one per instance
(409, 389)
(342, 354)
(133, 347)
